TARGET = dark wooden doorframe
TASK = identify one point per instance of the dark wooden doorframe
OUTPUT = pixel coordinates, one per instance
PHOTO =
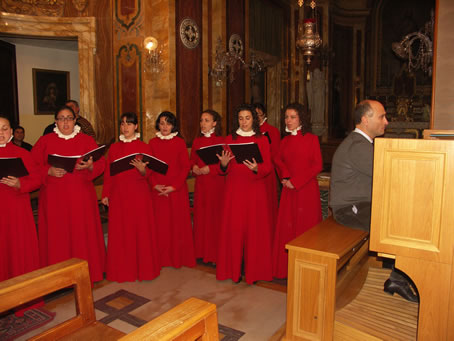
(8, 82)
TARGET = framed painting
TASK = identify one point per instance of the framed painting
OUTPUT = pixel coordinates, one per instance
(50, 90)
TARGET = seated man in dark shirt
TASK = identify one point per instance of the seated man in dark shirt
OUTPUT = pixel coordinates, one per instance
(18, 138)
(351, 181)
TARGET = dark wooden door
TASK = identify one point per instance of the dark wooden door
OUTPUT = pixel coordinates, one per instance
(8, 82)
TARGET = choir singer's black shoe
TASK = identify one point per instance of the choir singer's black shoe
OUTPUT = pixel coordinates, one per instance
(403, 289)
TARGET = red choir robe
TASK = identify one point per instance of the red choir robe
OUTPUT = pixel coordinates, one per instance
(274, 138)
(208, 200)
(18, 241)
(131, 248)
(68, 217)
(300, 160)
(172, 216)
(246, 220)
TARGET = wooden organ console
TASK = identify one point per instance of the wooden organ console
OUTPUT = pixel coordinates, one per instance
(412, 221)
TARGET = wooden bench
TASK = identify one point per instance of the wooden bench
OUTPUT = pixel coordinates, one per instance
(323, 264)
(193, 319)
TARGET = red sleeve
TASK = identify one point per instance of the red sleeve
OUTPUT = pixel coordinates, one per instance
(182, 164)
(194, 159)
(39, 155)
(275, 140)
(33, 180)
(264, 168)
(152, 175)
(281, 168)
(107, 178)
(98, 166)
(314, 167)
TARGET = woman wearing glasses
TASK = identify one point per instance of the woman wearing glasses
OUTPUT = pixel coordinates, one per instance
(68, 218)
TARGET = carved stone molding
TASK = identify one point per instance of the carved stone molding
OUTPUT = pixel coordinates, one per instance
(51, 8)
(82, 28)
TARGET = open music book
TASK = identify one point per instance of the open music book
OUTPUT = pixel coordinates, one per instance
(124, 163)
(12, 166)
(68, 162)
(208, 154)
(246, 151)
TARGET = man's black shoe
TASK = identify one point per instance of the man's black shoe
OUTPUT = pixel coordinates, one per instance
(403, 289)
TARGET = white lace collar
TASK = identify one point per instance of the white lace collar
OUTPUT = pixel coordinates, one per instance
(294, 131)
(264, 120)
(125, 140)
(4, 145)
(243, 133)
(208, 133)
(67, 137)
(168, 137)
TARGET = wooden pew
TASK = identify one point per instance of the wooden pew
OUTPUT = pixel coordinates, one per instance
(321, 259)
(193, 319)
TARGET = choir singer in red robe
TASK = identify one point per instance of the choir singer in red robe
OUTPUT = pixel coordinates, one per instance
(245, 233)
(18, 240)
(209, 188)
(68, 217)
(170, 195)
(298, 162)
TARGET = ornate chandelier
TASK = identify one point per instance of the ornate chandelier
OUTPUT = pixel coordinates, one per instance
(308, 37)
(416, 48)
(227, 62)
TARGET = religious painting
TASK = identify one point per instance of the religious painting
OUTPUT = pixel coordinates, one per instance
(50, 90)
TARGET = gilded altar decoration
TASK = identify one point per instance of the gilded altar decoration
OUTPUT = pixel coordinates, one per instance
(51, 8)
(236, 45)
(189, 33)
(80, 5)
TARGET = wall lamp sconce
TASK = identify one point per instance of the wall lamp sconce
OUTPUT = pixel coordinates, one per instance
(153, 61)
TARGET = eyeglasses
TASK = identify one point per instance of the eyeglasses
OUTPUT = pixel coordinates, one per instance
(69, 118)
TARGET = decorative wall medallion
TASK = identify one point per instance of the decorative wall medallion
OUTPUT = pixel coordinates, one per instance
(51, 8)
(189, 33)
(236, 45)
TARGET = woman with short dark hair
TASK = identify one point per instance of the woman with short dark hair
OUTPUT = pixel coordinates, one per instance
(131, 248)
(170, 195)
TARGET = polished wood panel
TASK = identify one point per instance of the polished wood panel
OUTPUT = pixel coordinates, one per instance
(189, 71)
(193, 319)
(412, 219)
(236, 24)
(315, 257)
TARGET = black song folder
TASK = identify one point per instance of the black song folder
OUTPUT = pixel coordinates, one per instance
(68, 162)
(60, 161)
(208, 154)
(124, 163)
(246, 151)
(12, 166)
